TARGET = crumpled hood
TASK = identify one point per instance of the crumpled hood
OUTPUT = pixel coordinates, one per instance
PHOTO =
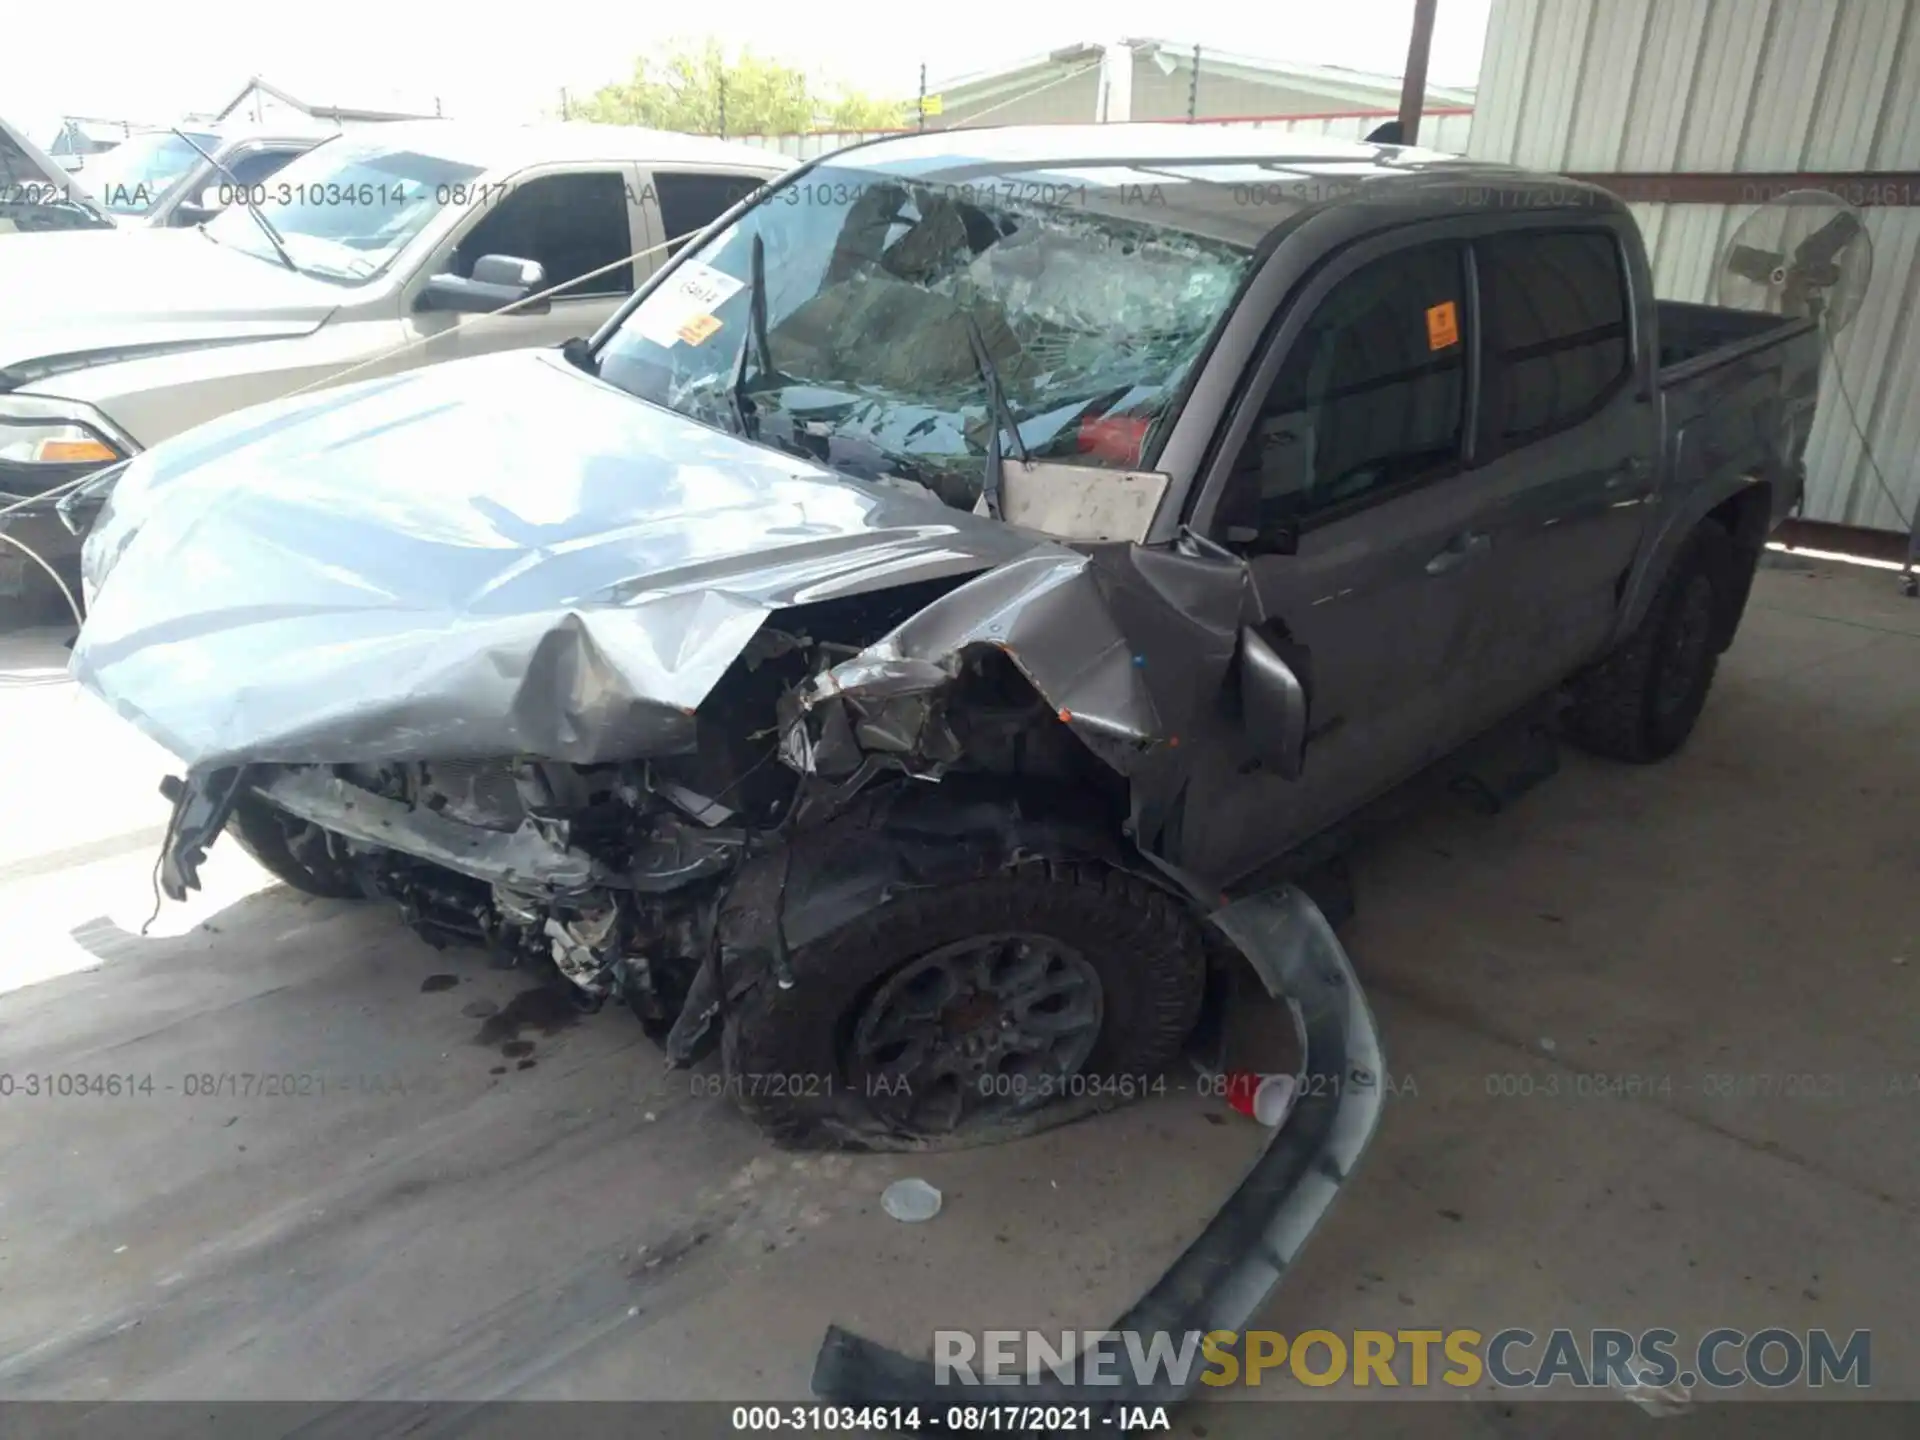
(481, 558)
(87, 296)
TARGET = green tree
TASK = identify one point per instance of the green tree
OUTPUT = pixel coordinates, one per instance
(700, 89)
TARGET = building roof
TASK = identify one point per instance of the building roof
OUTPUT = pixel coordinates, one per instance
(91, 130)
(1343, 88)
(339, 113)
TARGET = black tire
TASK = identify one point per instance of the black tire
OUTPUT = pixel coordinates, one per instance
(292, 850)
(788, 1053)
(1641, 702)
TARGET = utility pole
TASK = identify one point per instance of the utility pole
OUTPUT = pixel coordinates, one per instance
(923, 95)
(566, 109)
(723, 105)
(1413, 89)
(1193, 87)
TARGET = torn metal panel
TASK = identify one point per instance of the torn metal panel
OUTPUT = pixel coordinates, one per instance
(271, 588)
(523, 856)
(1226, 1274)
(1132, 647)
(1045, 612)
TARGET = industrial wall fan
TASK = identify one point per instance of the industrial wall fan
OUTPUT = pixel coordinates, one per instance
(1806, 253)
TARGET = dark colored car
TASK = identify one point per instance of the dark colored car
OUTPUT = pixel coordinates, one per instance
(886, 647)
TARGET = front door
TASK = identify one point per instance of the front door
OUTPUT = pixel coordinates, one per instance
(578, 225)
(1367, 536)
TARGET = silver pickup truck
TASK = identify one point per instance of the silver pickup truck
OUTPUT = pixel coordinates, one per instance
(898, 650)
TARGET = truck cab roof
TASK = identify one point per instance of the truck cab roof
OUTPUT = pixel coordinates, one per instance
(512, 147)
(1235, 184)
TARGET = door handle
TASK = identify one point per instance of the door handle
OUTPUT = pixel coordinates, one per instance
(1460, 549)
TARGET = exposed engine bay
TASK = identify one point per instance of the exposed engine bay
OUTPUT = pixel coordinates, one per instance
(618, 873)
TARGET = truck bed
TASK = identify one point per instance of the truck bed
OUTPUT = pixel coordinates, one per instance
(1737, 393)
(1697, 337)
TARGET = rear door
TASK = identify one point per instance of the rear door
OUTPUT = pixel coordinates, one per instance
(1366, 532)
(579, 226)
(1567, 430)
(681, 201)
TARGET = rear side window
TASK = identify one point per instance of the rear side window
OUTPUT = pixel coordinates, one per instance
(571, 224)
(1554, 308)
(1371, 396)
(690, 201)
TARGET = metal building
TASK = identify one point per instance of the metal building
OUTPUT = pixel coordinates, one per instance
(1695, 111)
(1149, 79)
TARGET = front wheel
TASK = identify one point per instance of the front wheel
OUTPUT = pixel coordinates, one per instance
(950, 1013)
(1641, 702)
(293, 850)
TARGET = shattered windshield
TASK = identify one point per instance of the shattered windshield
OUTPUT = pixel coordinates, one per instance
(1091, 308)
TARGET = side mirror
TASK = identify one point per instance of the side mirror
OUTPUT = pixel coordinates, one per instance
(498, 281)
(1273, 704)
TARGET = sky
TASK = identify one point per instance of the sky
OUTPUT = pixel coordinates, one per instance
(150, 62)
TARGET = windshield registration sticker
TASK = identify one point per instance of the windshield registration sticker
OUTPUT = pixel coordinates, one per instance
(682, 308)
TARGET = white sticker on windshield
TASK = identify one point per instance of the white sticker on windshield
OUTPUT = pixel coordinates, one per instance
(692, 292)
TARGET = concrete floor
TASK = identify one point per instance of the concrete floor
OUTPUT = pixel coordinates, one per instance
(424, 1218)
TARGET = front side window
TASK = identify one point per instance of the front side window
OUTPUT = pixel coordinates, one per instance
(132, 177)
(1371, 395)
(881, 292)
(572, 224)
(346, 208)
(1555, 308)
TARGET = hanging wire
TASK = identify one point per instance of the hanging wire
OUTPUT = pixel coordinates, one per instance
(1886, 490)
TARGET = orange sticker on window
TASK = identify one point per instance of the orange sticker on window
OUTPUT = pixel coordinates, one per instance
(698, 329)
(1443, 326)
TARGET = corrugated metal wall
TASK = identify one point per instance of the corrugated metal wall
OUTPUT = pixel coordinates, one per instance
(1445, 131)
(1062, 94)
(1740, 85)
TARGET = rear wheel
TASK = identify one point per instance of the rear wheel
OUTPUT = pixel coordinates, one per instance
(1641, 702)
(294, 850)
(951, 1013)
